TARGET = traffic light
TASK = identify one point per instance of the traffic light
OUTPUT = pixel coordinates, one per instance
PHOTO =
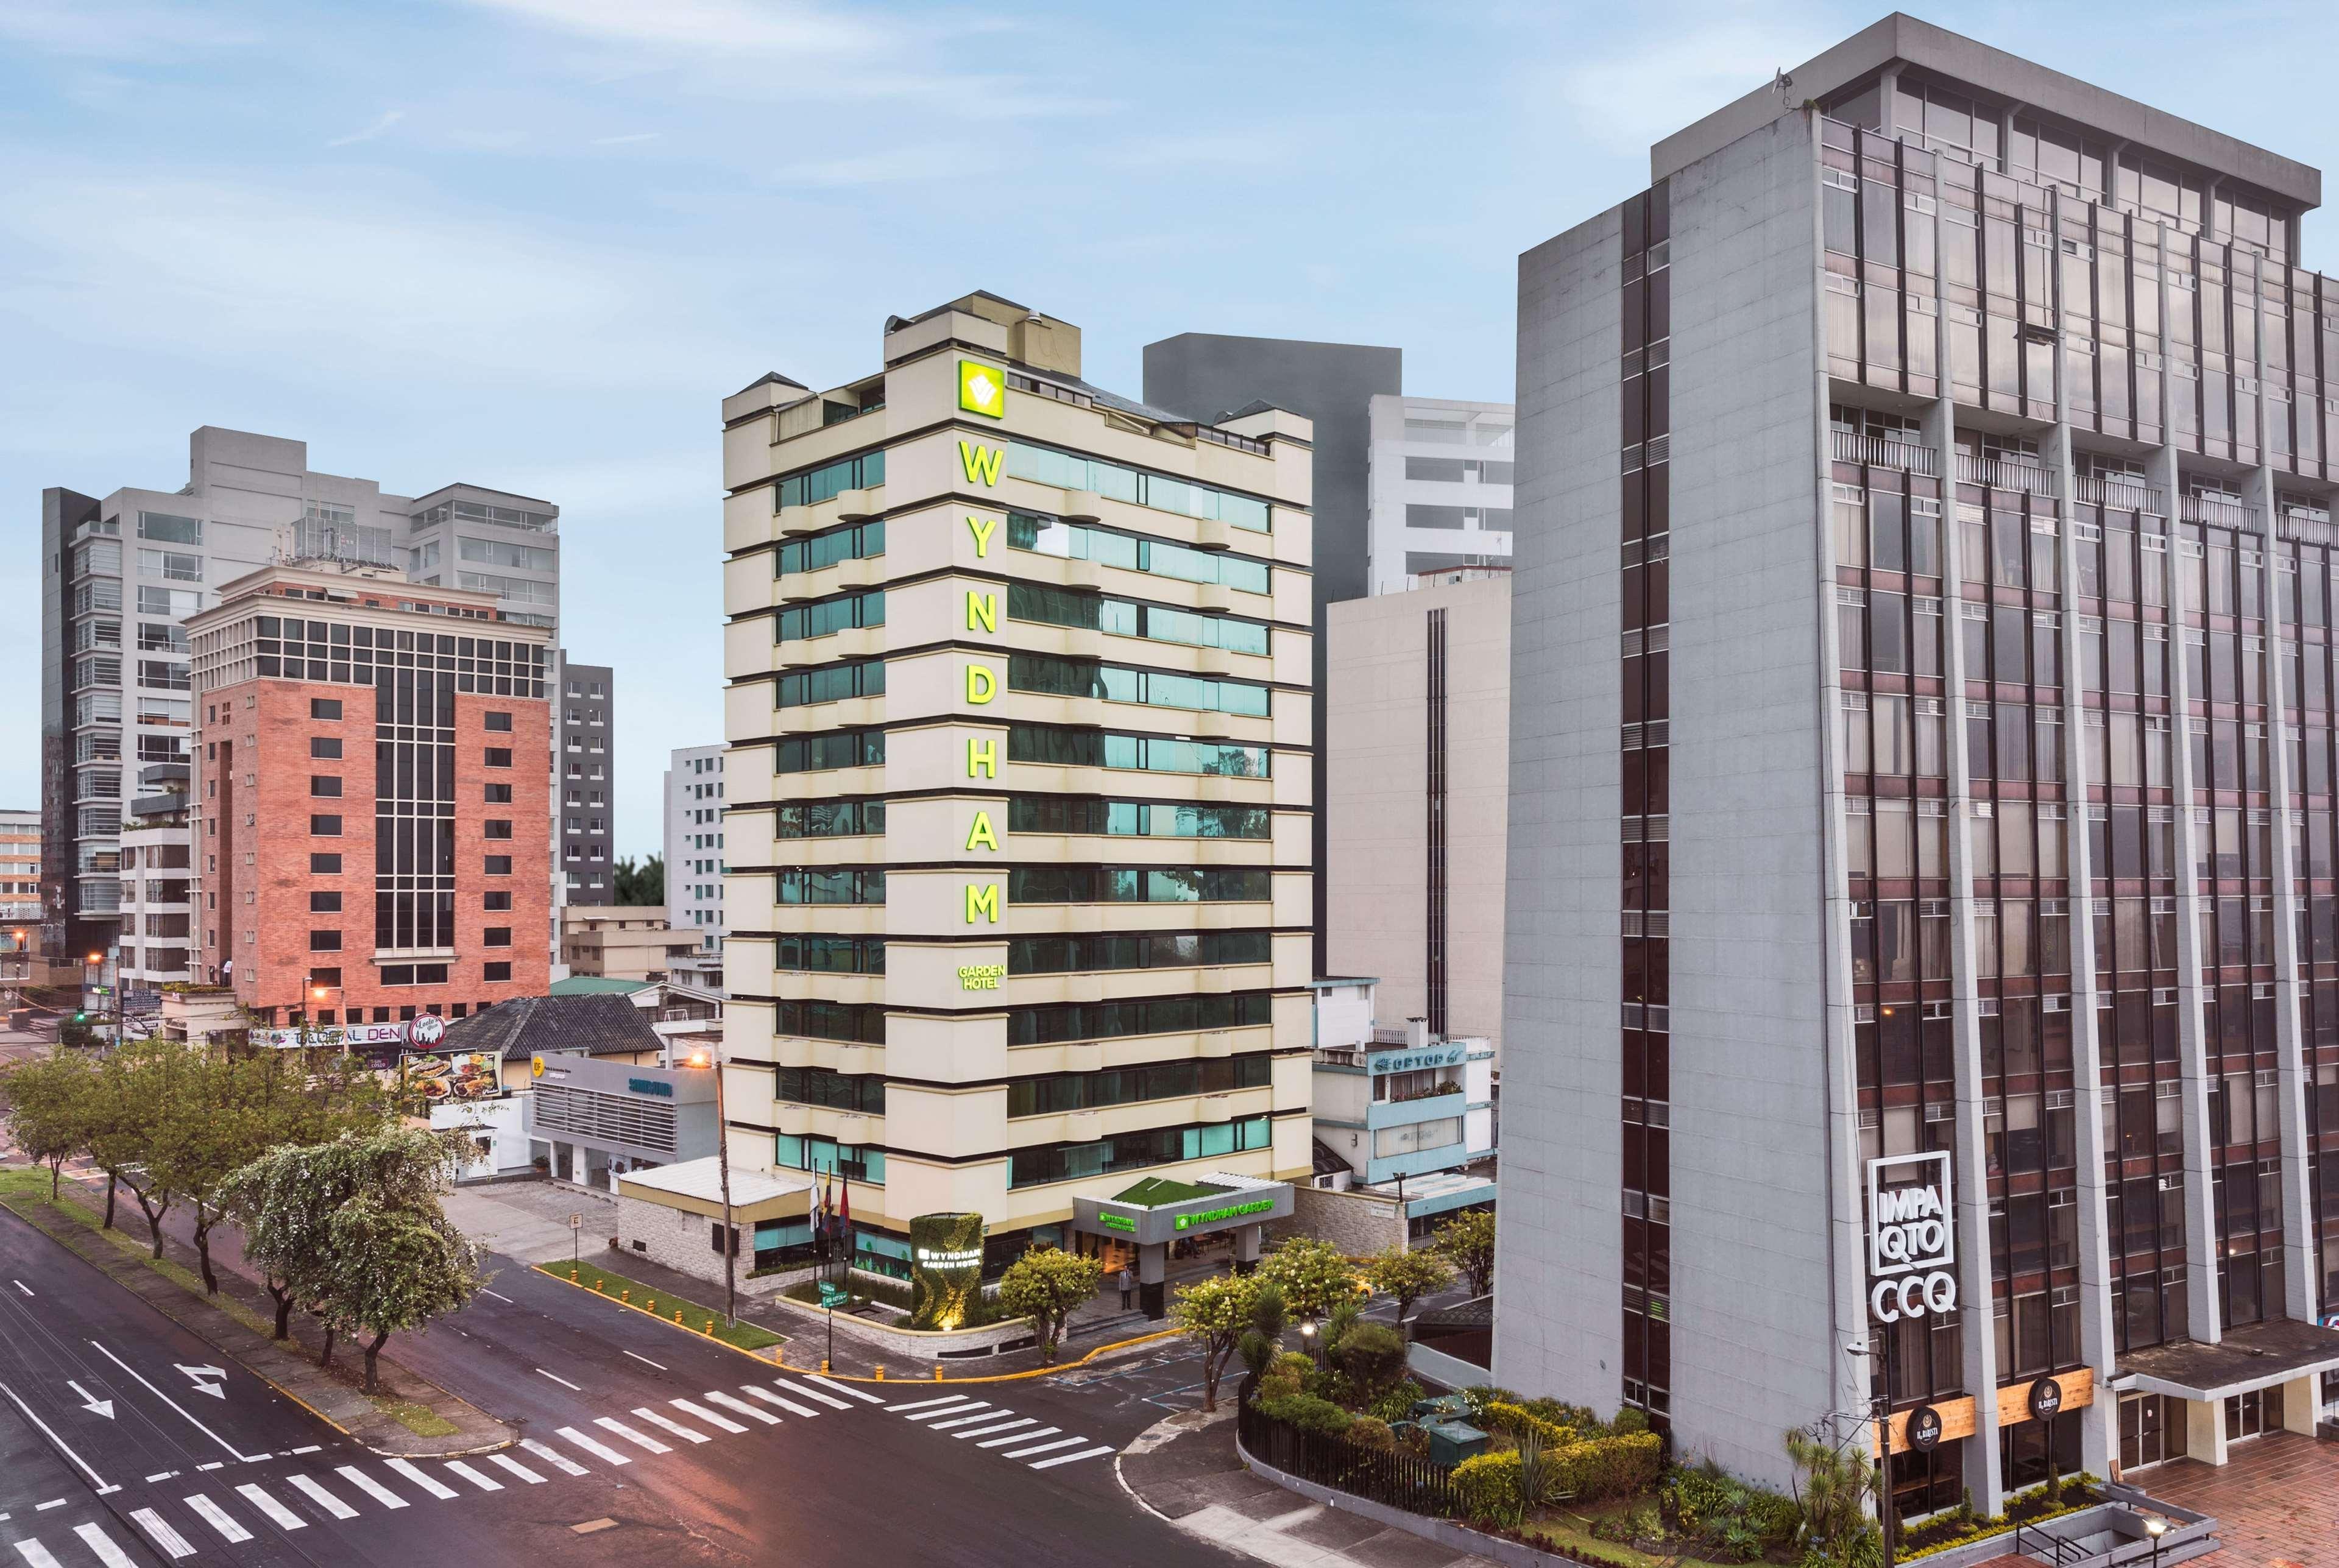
(81, 1017)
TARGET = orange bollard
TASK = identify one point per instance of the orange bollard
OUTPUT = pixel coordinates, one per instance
(823, 1366)
(710, 1325)
(652, 1308)
(881, 1374)
(627, 1295)
(677, 1317)
(600, 1288)
(572, 1274)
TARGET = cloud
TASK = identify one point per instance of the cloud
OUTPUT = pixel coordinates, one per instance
(1636, 97)
(930, 160)
(117, 32)
(720, 27)
(628, 141)
(371, 132)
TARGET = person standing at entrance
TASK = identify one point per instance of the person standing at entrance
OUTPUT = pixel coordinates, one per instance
(1128, 1288)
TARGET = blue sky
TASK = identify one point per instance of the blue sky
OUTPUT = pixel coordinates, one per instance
(531, 244)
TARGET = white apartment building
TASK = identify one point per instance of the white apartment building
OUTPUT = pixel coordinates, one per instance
(1437, 489)
(694, 858)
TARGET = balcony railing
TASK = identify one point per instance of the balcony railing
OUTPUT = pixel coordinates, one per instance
(2121, 495)
(1884, 452)
(2007, 474)
(2211, 509)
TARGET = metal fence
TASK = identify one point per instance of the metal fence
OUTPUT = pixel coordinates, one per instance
(1398, 1479)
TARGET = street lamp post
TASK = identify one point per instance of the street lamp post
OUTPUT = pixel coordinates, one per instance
(722, 1172)
(2156, 1527)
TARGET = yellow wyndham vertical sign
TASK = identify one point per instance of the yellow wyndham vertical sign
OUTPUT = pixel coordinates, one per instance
(982, 389)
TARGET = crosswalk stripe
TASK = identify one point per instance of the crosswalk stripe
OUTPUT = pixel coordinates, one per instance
(768, 1397)
(1044, 1447)
(322, 1498)
(686, 1433)
(369, 1486)
(862, 1394)
(485, 1482)
(1021, 1437)
(430, 1484)
(967, 1407)
(733, 1402)
(283, 1518)
(1072, 1458)
(691, 1407)
(597, 1450)
(218, 1518)
(38, 1555)
(516, 1468)
(923, 1403)
(639, 1440)
(989, 1413)
(159, 1531)
(553, 1457)
(102, 1543)
(1001, 1426)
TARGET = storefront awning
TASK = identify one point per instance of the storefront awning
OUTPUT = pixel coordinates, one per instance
(2256, 1356)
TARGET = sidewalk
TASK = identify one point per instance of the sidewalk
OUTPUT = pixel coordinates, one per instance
(1187, 1469)
(409, 1418)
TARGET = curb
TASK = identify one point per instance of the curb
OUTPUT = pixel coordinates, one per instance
(1012, 1377)
(756, 1355)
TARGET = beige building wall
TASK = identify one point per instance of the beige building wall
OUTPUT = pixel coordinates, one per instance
(623, 942)
(955, 655)
(1377, 735)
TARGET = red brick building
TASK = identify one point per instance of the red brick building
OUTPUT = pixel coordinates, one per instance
(371, 798)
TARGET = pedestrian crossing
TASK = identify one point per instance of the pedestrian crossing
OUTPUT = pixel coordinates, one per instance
(203, 1513)
(994, 1426)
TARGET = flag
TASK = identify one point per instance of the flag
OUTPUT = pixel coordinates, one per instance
(844, 1209)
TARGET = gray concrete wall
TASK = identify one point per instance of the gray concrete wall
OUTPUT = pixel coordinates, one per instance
(1201, 375)
(1358, 1223)
(1753, 1310)
(1558, 1327)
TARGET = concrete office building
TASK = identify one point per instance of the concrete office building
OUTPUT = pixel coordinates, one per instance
(2032, 899)
(118, 577)
(1018, 700)
(1439, 492)
(694, 857)
(1417, 718)
(587, 765)
(623, 942)
(20, 899)
(157, 929)
(1207, 376)
(369, 766)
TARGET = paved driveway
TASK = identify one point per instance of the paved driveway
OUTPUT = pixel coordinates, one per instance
(529, 1220)
(2276, 1504)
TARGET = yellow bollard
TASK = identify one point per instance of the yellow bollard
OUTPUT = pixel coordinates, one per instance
(823, 1366)
(652, 1308)
(938, 1372)
(710, 1325)
(572, 1275)
(599, 1289)
(627, 1295)
(677, 1317)
(881, 1374)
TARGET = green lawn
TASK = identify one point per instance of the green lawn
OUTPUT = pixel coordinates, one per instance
(1156, 1191)
(695, 1316)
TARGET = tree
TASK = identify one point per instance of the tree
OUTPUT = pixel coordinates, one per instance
(1831, 1487)
(1264, 1338)
(1407, 1275)
(1467, 1242)
(641, 882)
(1216, 1312)
(49, 1105)
(1045, 1285)
(355, 1232)
(138, 1090)
(1314, 1276)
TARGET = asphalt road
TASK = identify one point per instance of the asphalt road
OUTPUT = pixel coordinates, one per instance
(641, 1444)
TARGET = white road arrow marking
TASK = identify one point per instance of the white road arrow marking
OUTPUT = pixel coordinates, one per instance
(206, 1379)
(102, 1485)
(22, 1286)
(94, 1406)
(110, 1355)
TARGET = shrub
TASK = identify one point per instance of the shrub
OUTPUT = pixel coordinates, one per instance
(1373, 1356)
(1630, 1419)
(1518, 1421)
(1608, 1466)
(1488, 1487)
(1257, 1350)
(1395, 1402)
(1372, 1432)
(1310, 1413)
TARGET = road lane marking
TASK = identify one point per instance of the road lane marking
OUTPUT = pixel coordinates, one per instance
(922, 1404)
(312, 1448)
(1070, 1458)
(214, 1465)
(94, 1478)
(691, 1407)
(553, 1457)
(646, 1360)
(232, 1451)
(218, 1519)
(1003, 1427)
(99, 1542)
(283, 1518)
(768, 1397)
(160, 1475)
(1022, 1437)
(733, 1402)
(172, 1543)
(498, 1295)
(540, 1372)
(38, 1555)
(52, 1503)
(639, 1439)
(22, 1286)
(370, 1488)
(866, 1398)
(677, 1428)
(485, 1482)
(430, 1484)
(971, 1407)
(322, 1498)
(992, 1414)
(1044, 1447)
(516, 1468)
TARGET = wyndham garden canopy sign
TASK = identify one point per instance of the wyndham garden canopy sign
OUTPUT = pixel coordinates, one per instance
(1159, 1211)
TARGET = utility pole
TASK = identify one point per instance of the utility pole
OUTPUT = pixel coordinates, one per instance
(704, 1059)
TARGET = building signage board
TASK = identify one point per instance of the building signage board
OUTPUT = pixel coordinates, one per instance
(355, 1036)
(454, 1074)
(1429, 1056)
(1924, 1429)
(1198, 1216)
(1911, 1236)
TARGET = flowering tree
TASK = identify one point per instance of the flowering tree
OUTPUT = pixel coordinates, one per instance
(1314, 1276)
(1045, 1285)
(1215, 1312)
(1467, 1242)
(1407, 1275)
